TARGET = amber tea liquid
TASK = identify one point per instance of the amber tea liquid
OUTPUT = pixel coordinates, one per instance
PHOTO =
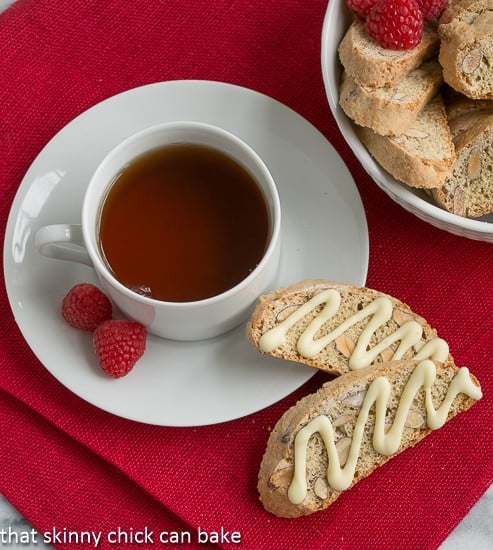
(183, 223)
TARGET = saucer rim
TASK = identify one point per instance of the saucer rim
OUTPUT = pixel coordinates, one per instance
(298, 374)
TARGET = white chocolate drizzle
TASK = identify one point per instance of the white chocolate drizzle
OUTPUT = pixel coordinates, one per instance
(340, 478)
(380, 312)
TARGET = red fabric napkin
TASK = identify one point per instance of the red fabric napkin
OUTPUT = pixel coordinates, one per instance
(70, 467)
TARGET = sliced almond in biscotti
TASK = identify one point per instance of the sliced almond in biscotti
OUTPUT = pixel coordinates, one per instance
(390, 110)
(468, 191)
(466, 47)
(339, 328)
(312, 456)
(423, 156)
(372, 65)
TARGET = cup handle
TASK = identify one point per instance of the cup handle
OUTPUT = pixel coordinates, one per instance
(62, 242)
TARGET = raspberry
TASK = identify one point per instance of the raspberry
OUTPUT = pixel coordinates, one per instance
(85, 307)
(119, 345)
(395, 24)
(431, 9)
(361, 7)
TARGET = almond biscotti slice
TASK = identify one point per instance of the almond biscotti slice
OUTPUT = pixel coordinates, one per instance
(372, 65)
(423, 156)
(468, 191)
(339, 328)
(464, 110)
(391, 110)
(466, 47)
(331, 439)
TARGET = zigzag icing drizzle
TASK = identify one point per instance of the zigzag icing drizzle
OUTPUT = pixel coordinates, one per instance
(380, 310)
(340, 478)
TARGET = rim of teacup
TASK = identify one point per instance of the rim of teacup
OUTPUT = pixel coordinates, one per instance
(90, 216)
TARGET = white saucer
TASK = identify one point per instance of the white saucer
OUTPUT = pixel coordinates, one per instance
(182, 384)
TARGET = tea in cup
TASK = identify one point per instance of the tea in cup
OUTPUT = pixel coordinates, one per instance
(181, 222)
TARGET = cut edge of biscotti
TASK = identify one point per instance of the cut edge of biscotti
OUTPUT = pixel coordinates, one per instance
(468, 191)
(423, 156)
(372, 65)
(391, 110)
(339, 328)
(331, 439)
(466, 47)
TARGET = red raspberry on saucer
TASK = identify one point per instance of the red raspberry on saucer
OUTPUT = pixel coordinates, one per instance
(85, 307)
(431, 9)
(360, 7)
(119, 345)
(395, 24)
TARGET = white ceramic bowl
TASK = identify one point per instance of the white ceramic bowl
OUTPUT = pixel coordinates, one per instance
(337, 20)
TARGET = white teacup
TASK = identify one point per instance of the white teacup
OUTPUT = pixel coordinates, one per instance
(183, 320)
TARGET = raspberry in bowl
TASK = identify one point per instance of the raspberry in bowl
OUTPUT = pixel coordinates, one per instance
(395, 24)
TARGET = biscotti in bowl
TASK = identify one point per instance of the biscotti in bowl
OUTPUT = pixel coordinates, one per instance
(420, 202)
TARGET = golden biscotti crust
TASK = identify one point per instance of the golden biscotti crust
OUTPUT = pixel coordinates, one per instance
(342, 353)
(340, 401)
(422, 157)
(371, 65)
(391, 110)
(466, 47)
(461, 107)
(468, 191)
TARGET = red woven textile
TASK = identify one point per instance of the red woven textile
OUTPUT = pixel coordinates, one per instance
(68, 465)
